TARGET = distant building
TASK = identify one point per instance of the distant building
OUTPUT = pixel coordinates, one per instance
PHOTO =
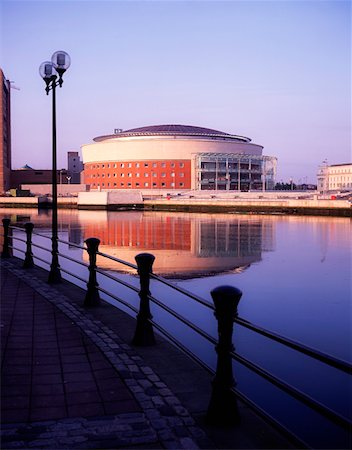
(74, 167)
(28, 175)
(336, 177)
(5, 134)
(177, 157)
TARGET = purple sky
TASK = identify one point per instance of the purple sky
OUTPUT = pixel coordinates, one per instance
(275, 71)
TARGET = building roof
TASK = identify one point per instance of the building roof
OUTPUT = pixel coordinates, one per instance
(172, 130)
(26, 167)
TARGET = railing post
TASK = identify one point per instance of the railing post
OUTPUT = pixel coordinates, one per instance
(223, 409)
(28, 261)
(144, 334)
(6, 252)
(92, 296)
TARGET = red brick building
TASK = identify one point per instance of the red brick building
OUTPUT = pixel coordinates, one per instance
(5, 134)
(176, 157)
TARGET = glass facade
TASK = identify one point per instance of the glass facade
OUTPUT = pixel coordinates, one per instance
(234, 172)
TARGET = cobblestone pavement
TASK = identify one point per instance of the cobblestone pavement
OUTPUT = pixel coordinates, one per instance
(69, 381)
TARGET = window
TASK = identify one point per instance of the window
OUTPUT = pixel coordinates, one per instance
(163, 174)
(182, 174)
(103, 165)
(115, 165)
(129, 164)
(108, 166)
(103, 175)
(146, 184)
(172, 184)
(122, 165)
(115, 184)
(154, 174)
(163, 184)
(108, 175)
(137, 184)
(154, 184)
(172, 174)
(146, 164)
(163, 164)
(129, 184)
(122, 175)
(146, 175)
(137, 164)
(115, 175)
(137, 174)
(172, 164)
(182, 164)
(182, 184)
(122, 184)
(155, 165)
(129, 174)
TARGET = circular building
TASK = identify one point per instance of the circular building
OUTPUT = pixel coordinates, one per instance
(176, 157)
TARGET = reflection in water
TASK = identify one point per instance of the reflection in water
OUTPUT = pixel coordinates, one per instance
(185, 245)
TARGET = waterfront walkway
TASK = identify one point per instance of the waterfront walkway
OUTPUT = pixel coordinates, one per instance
(70, 378)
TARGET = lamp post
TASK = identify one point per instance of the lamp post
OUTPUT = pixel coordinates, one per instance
(52, 72)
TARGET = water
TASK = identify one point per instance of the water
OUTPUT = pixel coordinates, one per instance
(294, 272)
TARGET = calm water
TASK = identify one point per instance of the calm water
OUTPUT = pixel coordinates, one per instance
(294, 272)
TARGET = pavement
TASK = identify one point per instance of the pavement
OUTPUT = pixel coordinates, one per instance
(71, 379)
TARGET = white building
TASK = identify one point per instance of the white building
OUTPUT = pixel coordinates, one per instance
(334, 178)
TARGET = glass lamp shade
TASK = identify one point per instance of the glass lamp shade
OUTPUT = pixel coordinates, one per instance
(47, 70)
(61, 60)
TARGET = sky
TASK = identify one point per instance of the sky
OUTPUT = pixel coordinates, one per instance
(278, 72)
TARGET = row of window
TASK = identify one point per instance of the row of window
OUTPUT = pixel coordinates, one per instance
(137, 164)
(137, 185)
(137, 175)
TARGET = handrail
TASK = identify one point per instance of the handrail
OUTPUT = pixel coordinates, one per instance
(146, 296)
(302, 348)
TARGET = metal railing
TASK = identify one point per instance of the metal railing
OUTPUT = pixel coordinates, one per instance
(223, 403)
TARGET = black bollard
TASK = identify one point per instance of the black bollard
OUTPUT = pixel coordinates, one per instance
(6, 252)
(92, 296)
(223, 409)
(144, 334)
(28, 261)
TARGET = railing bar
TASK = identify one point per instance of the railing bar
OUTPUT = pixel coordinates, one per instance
(39, 246)
(304, 398)
(183, 291)
(73, 275)
(15, 238)
(124, 283)
(46, 236)
(121, 261)
(316, 354)
(13, 227)
(72, 244)
(135, 310)
(73, 259)
(41, 259)
(182, 347)
(184, 320)
(239, 394)
(266, 416)
(17, 249)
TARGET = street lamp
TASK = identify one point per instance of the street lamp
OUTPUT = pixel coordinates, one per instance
(52, 72)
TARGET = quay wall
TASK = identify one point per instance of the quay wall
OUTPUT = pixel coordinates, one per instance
(325, 207)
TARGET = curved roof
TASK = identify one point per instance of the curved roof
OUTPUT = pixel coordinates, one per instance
(172, 130)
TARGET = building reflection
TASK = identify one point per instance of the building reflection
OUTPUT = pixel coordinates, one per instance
(185, 245)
